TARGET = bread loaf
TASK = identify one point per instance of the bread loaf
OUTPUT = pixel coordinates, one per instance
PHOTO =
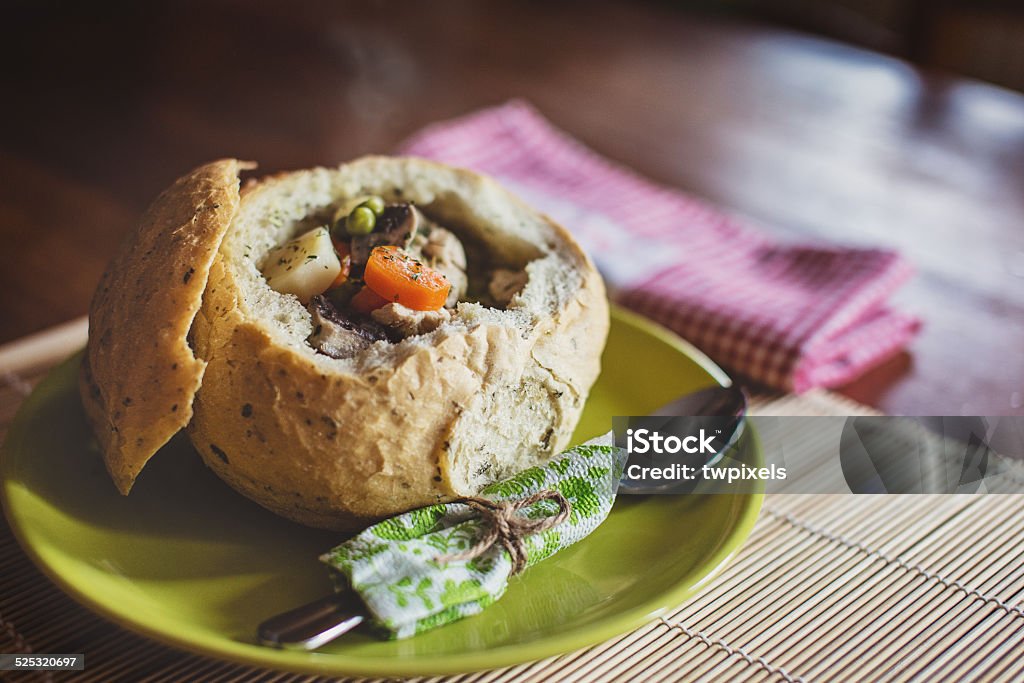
(338, 442)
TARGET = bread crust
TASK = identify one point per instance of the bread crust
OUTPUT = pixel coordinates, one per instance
(139, 375)
(340, 443)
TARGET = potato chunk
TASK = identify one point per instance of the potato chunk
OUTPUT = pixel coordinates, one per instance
(305, 266)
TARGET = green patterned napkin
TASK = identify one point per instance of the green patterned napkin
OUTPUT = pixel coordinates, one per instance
(394, 565)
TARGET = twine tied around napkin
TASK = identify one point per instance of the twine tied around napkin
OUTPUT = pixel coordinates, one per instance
(502, 525)
(406, 589)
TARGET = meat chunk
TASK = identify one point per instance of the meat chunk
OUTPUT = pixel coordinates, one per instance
(443, 252)
(408, 322)
(338, 336)
(505, 284)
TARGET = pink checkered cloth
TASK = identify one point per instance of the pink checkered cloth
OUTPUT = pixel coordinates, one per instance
(788, 316)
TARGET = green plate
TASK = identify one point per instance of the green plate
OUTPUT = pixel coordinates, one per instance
(188, 562)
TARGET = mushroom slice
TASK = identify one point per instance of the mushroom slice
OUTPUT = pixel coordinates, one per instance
(338, 336)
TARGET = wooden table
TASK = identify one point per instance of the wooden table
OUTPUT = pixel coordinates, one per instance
(104, 106)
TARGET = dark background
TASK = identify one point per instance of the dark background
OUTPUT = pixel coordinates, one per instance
(104, 104)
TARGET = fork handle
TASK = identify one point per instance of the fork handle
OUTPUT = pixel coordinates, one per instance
(314, 624)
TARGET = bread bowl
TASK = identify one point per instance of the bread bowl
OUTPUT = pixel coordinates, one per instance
(187, 332)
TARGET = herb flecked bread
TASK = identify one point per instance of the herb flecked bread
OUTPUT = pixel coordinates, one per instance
(186, 331)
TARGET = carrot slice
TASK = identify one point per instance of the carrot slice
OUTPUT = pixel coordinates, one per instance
(366, 301)
(398, 277)
(346, 263)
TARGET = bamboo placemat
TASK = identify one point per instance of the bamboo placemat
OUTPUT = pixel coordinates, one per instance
(827, 588)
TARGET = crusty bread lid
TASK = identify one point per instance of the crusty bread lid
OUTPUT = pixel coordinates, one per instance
(139, 375)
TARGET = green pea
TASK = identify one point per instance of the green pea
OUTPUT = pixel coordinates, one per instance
(360, 221)
(375, 204)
